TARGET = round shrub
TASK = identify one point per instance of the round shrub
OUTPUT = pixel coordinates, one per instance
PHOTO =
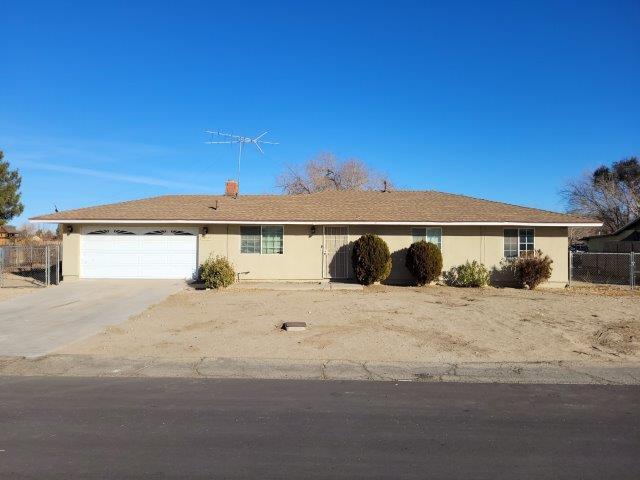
(424, 261)
(531, 270)
(217, 272)
(473, 274)
(371, 259)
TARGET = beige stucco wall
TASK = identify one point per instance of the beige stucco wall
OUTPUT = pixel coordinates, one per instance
(71, 254)
(303, 260)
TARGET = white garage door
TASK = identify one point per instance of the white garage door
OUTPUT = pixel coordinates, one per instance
(138, 252)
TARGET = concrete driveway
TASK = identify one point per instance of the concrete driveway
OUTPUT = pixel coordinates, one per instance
(37, 323)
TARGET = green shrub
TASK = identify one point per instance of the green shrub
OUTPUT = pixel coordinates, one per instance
(371, 259)
(217, 272)
(424, 261)
(469, 274)
(532, 270)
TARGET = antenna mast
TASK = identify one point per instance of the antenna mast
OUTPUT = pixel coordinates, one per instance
(240, 140)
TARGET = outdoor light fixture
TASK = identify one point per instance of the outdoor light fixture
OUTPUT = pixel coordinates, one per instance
(313, 229)
(205, 230)
(69, 228)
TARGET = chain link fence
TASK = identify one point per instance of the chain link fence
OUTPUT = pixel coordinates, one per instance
(587, 268)
(29, 265)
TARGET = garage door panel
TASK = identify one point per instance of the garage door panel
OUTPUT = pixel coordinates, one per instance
(139, 255)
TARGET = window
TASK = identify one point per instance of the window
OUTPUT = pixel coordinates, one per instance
(526, 240)
(510, 242)
(433, 235)
(249, 239)
(272, 239)
(267, 239)
(518, 241)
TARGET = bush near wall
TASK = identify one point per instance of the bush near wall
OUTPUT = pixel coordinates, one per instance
(371, 259)
(469, 274)
(424, 261)
(217, 272)
(532, 270)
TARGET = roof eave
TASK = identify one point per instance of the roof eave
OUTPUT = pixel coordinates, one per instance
(314, 222)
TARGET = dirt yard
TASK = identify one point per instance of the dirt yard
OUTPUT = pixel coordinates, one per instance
(12, 286)
(439, 324)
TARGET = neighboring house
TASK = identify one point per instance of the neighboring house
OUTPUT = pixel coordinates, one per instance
(8, 234)
(300, 237)
(623, 240)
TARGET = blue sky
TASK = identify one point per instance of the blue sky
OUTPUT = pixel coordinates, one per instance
(107, 101)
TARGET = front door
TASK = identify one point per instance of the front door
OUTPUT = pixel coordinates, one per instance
(336, 252)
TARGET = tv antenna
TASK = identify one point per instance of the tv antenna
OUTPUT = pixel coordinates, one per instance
(240, 140)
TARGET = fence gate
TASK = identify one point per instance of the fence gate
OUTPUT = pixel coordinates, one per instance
(29, 265)
(596, 268)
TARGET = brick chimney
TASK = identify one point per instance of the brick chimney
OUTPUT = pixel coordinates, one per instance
(231, 188)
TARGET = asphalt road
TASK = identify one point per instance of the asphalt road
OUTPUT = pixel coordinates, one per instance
(58, 427)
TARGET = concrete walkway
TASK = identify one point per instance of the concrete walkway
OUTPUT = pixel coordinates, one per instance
(614, 373)
(37, 323)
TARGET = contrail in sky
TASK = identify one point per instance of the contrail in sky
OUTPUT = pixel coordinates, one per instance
(139, 179)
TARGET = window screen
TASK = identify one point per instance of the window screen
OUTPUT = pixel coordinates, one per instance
(249, 239)
(518, 242)
(510, 243)
(433, 235)
(418, 234)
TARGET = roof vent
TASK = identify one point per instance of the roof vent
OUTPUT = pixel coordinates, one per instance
(231, 188)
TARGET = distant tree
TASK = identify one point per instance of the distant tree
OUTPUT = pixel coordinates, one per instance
(327, 172)
(10, 180)
(610, 194)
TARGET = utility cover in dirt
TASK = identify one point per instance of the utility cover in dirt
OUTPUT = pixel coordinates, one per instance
(294, 326)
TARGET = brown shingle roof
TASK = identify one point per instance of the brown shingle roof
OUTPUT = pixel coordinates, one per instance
(330, 206)
(8, 229)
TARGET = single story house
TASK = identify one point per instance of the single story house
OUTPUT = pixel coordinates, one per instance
(300, 237)
(625, 239)
(8, 234)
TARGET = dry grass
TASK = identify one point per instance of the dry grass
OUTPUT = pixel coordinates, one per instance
(381, 323)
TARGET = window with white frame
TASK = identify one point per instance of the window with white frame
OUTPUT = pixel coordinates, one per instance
(250, 239)
(266, 239)
(518, 242)
(433, 235)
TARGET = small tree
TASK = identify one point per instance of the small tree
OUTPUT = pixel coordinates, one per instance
(10, 180)
(217, 272)
(424, 261)
(371, 259)
(532, 270)
(327, 172)
(610, 194)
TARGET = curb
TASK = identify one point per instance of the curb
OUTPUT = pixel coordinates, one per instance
(210, 367)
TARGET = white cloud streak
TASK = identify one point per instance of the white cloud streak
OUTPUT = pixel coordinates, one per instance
(118, 177)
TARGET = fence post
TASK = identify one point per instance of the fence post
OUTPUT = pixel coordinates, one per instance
(47, 269)
(570, 266)
(632, 270)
